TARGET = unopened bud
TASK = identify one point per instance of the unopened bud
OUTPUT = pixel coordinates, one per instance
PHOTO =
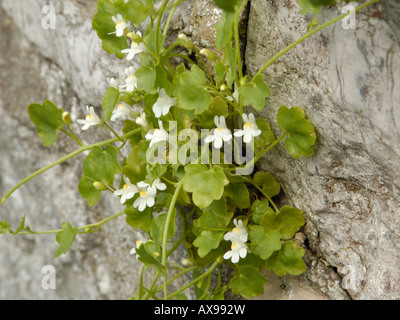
(209, 54)
(223, 87)
(134, 36)
(66, 117)
(186, 262)
(243, 81)
(184, 41)
(99, 186)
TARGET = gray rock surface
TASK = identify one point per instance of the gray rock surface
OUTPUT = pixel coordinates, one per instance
(347, 81)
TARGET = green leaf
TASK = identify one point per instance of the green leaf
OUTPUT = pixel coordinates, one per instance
(239, 194)
(158, 225)
(110, 99)
(287, 260)
(301, 131)
(228, 5)
(259, 208)
(220, 71)
(207, 241)
(214, 216)
(99, 166)
(104, 25)
(267, 136)
(139, 220)
(146, 76)
(65, 238)
(137, 11)
(218, 107)
(206, 184)
(313, 5)
(88, 191)
(154, 172)
(4, 227)
(264, 243)
(267, 182)
(230, 60)
(287, 221)
(254, 93)
(145, 254)
(249, 283)
(225, 29)
(192, 94)
(47, 119)
(21, 226)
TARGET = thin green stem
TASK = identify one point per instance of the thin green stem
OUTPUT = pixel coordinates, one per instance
(204, 65)
(87, 228)
(171, 13)
(263, 192)
(181, 274)
(176, 245)
(74, 135)
(309, 34)
(237, 45)
(150, 290)
(165, 235)
(200, 277)
(65, 158)
(158, 28)
(111, 129)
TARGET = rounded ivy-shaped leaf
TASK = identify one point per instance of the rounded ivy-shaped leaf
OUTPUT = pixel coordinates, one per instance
(249, 283)
(47, 119)
(301, 131)
(206, 185)
(287, 260)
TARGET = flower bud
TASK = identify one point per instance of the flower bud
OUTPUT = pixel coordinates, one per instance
(209, 54)
(223, 87)
(134, 36)
(243, 81)
(99, 186)
(184, 41)
(66, 118)
(186, 262)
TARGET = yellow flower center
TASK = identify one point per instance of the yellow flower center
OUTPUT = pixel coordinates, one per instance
(248, 125)
(142, 193)
(120, 106)
(234, 245)
(236, 230)
(157, 131)
(219, 129)
(138, 243)
(89, 117)
(118, 24)
(125, 187)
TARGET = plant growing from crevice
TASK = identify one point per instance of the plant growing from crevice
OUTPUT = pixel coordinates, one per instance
(193, 147)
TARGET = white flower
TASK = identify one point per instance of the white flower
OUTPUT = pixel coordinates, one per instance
(163, 104)
(220, 133)
(113, 83)
(138, 242)
(146, 196)
(125, 110)
(239, 233)
(135, 48)
(91, 119)
(238, 249)
(127, 192)
(120, 25)
(157, 135)
(235, 96)
(159, 185)
(250, 128)
(141, 120)
(131, 80)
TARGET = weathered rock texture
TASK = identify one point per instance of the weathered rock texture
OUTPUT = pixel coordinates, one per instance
(347, 81)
